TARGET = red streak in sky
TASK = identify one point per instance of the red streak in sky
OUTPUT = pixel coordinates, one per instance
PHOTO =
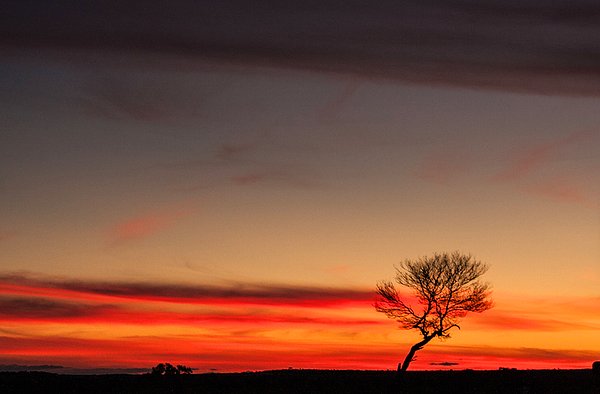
(147, 225)
(154, 318)
(257, 354)
(245, 329)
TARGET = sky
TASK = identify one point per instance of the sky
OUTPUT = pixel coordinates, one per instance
(222, 184)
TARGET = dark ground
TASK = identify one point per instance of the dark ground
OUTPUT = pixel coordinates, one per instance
(311, 381)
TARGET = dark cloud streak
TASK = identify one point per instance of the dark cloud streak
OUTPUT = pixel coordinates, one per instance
(40, 308)
(530, 46)
(234, 292)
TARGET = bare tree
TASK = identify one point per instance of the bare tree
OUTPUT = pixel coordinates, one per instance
(445, 287)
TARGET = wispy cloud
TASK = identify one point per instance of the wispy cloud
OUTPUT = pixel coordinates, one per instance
(249, 170)
(525, 167)
(252, 160)
(519, 322)
(282, 176)
(233, 151)
(560, 189)
(520, 46)
(536, 156)
(147, 224)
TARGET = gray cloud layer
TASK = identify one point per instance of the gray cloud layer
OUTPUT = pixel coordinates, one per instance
(520, 45)
(174, 292)
(39, 308)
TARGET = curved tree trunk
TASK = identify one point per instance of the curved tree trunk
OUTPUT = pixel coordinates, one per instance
(411, 354)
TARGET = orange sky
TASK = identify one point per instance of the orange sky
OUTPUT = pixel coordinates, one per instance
(221, 205)
(231, 328)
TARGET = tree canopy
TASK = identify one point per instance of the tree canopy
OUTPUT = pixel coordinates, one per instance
(167, 369)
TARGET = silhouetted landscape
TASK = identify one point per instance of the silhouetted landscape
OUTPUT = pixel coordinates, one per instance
(311, 381)
(300, 196)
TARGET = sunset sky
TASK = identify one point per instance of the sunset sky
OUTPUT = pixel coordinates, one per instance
(222, 184)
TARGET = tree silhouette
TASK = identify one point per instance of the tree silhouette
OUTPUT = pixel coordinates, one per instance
(184, 370)
(446, 287)
(168, 370)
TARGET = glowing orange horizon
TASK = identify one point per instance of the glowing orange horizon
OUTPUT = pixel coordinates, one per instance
(122, 325)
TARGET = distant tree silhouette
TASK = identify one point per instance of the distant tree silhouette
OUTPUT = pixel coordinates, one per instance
(168, 370)
(159, 369)
(184, 370)
(445, 286)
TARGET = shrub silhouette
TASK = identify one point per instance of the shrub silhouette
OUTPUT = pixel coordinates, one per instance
(168, 369)
(446, 287)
